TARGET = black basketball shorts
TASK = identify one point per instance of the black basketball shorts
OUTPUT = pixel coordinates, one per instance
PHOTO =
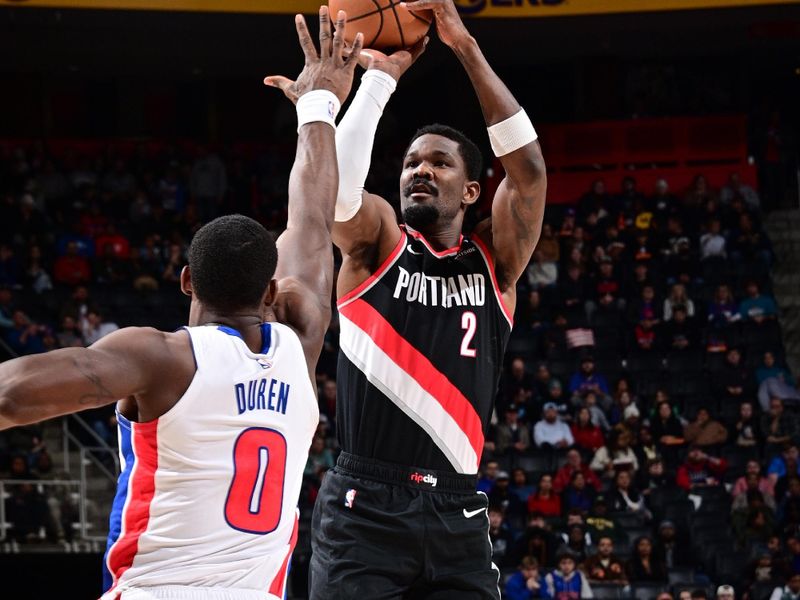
(382, 531)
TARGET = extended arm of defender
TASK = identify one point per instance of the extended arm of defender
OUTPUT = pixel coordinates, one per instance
(518, 207)
(122, 364)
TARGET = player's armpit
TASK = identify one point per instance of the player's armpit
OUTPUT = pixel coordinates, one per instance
(370, 235)
(125, 363)
(308, 314)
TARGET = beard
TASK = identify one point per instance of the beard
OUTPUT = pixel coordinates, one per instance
(420, 216)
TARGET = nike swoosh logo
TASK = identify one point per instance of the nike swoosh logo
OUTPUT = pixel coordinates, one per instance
(471, 513)
(410, 249)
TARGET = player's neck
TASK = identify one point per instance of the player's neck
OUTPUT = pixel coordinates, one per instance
(440, 237)
(247, 324)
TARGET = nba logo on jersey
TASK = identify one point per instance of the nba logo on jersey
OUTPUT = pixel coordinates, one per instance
(349, 498)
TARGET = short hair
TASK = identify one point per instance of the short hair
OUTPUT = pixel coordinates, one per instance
(470, 153)
(232, 260)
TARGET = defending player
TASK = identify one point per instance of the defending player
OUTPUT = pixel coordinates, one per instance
(425, 315)
(216, 419)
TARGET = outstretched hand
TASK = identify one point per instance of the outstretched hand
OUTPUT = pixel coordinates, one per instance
(394, 64)
(449, 26)
(329, 69)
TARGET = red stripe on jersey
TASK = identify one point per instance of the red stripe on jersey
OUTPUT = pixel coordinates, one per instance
(417, 365)
(279, 583)
(362, 287)
(490, 264)
(136, 515)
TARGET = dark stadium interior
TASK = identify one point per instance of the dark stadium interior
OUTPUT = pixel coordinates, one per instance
(106, 117)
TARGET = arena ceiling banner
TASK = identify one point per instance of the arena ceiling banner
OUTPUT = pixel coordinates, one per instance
(473, 8)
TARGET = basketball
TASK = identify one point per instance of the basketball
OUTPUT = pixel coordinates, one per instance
(384, 23)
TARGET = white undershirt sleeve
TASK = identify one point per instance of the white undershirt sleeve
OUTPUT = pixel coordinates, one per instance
(355, 136)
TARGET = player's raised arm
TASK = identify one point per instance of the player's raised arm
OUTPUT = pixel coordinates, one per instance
(128, 362)
(518, 206)
(305, 253)
(366, 228)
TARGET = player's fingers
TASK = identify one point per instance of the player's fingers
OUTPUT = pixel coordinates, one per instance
(284, 84)
(338, 37)
(306, 43)
(324, 32)
(355, 54)
(418, 48)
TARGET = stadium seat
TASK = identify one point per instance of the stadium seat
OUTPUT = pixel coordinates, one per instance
(647, 591)
(607, 591)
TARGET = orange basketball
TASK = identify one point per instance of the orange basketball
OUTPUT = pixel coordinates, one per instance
(384, 23)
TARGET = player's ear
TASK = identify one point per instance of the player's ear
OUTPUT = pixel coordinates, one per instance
(186, 281)
(472, 191)
(271, 293)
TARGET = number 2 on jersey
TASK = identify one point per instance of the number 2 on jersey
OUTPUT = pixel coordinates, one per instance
(469, 322)
(255, 498)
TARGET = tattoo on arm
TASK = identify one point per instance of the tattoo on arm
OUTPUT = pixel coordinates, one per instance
(101, 394)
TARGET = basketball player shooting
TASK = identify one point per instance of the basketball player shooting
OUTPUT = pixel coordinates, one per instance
(425, 314)
(216, 419)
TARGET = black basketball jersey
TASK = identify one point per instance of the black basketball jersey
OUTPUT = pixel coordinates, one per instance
(422, 344)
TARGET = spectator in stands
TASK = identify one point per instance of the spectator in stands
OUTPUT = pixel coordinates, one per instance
(616, 455)
(700, 470)
(586, 434)
(745, 432)
(551, 431)
(25, 337)
(537, 541)
(646, 307)
(681, 333)
(705, 431)
(789, 506)
(71, 269)
(646, 448)
(572, 291)
(95, 327)
(545, 501)
(109, 269)
(25, 507)
(320, 458)
(735, 188)
(723, 310)
(526, 582)
(605, 566)
(775, 382)
(578, 494)
(175, 263)
(566, 581)
(517, 384)
(668, 432)
(625, 498)
(69, 335)
(36, 276)
(669, 549)
(574, 464)
(595, 200)
(208, 183)
(678, 297)
(784, 463)
(10, 271)
(643, 566)
(606, 290)
(712, 242)
(752, 520)
(753, 469)
(645, 336)
(501, 536)
(725, 592)
(520, 486)
(653, 477)
(541, 273)
(576, 540)
(588, 380)
(486, 481)
(732, 381)
(777, 427)
(511, 438)
(790, 591)
(757, 307)
(749, 243)
(502, 496)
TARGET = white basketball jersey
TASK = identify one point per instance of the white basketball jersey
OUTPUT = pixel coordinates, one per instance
(206, 503)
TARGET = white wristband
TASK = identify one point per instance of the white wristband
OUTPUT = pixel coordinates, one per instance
(379, 86)
(512, 134)
(317, 106)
